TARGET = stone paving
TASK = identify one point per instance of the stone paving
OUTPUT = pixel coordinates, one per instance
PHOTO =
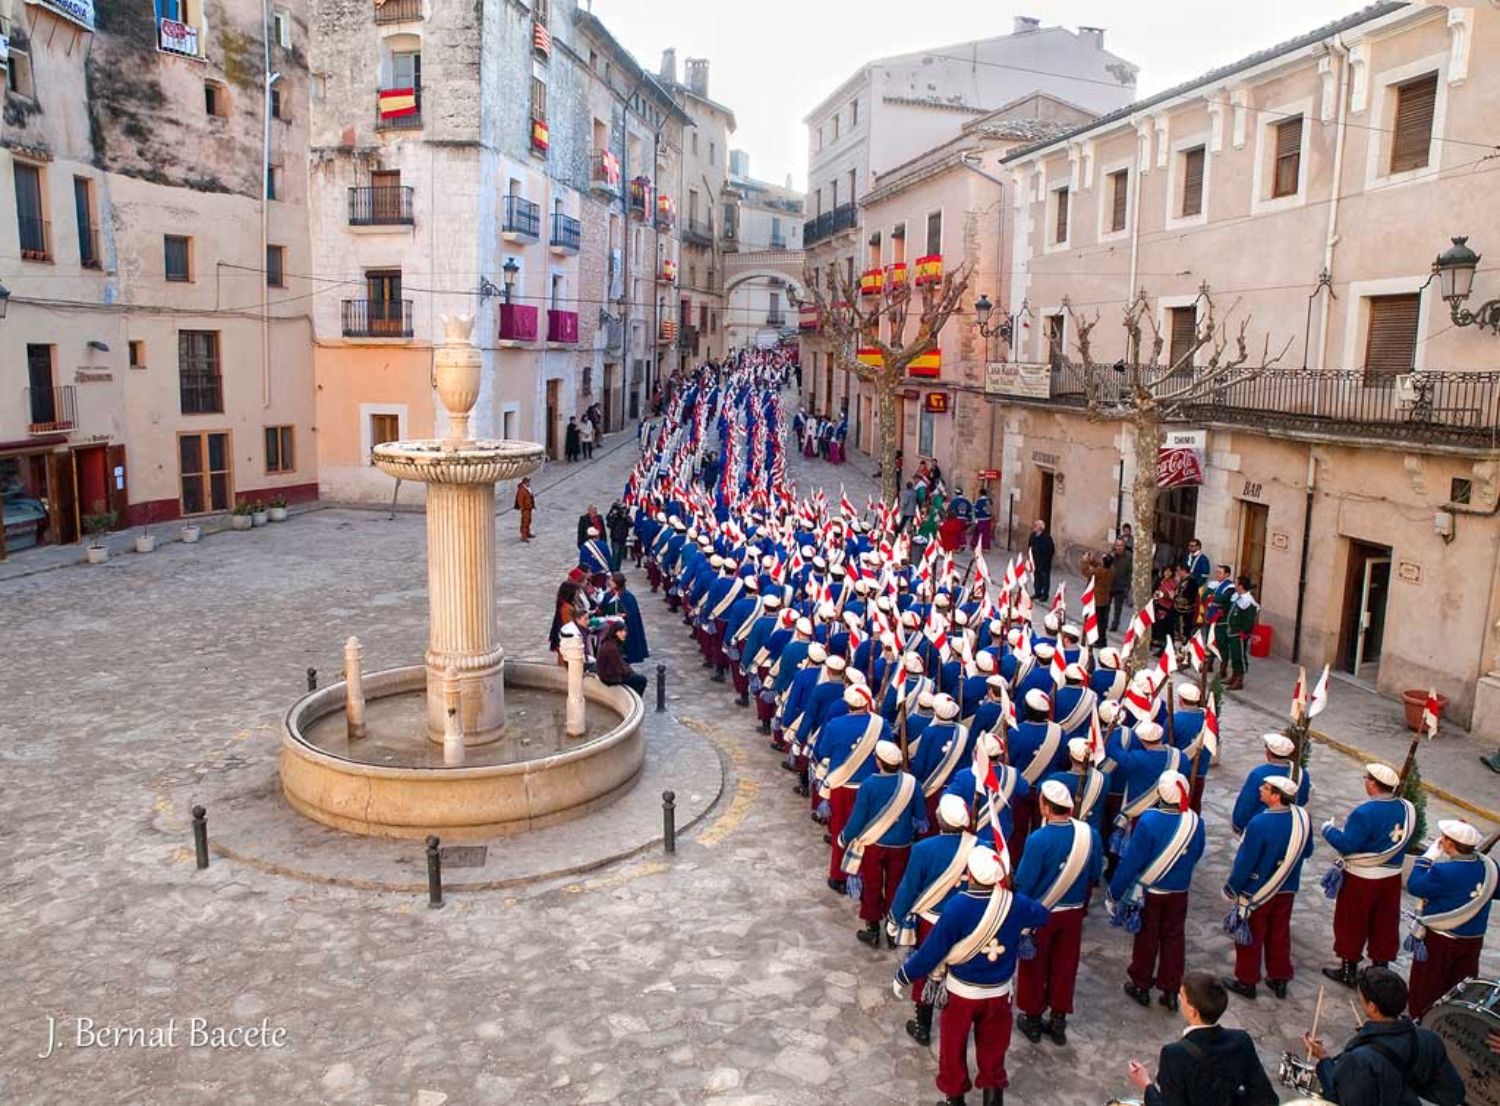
(726, 974)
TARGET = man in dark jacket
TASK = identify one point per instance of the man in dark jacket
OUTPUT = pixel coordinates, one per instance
(1391, 1061)
(1209, 1066)
(589, 520)
(618, 521)
(1041, 547)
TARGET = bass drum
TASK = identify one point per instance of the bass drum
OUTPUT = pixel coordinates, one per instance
(1463, 1018)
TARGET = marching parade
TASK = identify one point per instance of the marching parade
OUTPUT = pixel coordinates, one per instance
(990, 779)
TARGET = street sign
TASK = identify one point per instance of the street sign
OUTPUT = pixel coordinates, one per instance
(1012, 378)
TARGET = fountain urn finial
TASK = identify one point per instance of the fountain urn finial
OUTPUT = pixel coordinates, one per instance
(457, 373)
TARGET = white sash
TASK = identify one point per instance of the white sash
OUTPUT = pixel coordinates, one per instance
(1093, 790)
(1046, 753)
(1078, 857)
(876, 827)
(1148, 799)
(1296, 842)
(1116, 688)
(969, 946)
(944, 771)
(744, 631)
(939, 889)
(1449, 920)
(1177, 845)
(840, 776)
(1080, 712)
(1362, 863)
(729, 597)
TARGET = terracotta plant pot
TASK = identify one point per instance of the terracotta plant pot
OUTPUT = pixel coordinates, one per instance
(97, 554)
(191, 534)
(1414, 699)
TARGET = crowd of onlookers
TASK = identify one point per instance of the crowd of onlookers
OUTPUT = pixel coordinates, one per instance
(582, 434)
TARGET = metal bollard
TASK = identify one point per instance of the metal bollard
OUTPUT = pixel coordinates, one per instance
(312, 679)
(200, 835)
(434, 874)
(669, 820)
(661, 688)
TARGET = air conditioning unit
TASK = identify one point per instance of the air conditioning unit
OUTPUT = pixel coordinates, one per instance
(1406, 389)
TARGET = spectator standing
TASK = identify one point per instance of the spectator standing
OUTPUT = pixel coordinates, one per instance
(1041, 547)
(1121, 562)
(586, 439)
(618, 524)
(571, 442)
(525, 504)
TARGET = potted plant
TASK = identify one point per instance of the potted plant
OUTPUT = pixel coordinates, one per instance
(145, 541)
(258, 515)
(277, 509)
(239, 518)
(97, 526)
(191, 532)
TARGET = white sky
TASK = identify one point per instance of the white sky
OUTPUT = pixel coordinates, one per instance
(772, 60)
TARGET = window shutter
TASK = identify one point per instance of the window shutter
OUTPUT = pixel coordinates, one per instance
(1288, 156)
(1192, 181)
(1412, 136)
(1121, 181)
(1391, 344)
(1062, 216)
(1184, 335)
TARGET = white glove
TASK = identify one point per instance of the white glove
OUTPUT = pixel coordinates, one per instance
(1435, 850)
(898, 988)
(1328, 825)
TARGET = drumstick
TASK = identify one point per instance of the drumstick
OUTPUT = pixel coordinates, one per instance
(1317, 1017)
(1359, 1015)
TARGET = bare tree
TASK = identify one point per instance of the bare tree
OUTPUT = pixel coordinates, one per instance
(1148, 395)
(854, 322)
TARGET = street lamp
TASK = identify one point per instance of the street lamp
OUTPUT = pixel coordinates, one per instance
(4, 300)
(1454, 269)
(983, 310)
(510, 270)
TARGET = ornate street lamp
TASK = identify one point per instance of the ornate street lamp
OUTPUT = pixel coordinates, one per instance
(511, 270)
(983, 310)
(1454, 269)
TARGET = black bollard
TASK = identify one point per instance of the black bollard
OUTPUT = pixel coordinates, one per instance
(200, 835)
(661, 687)
(312, 679)
(434, 874)
(669, 820)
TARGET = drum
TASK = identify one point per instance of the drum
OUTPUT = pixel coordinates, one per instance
(1463, 1018)
(1298, 1074)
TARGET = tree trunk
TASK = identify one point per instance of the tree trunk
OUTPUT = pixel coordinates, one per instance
(890, 440)
(1143, 497)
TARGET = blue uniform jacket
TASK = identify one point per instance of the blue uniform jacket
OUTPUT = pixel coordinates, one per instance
(1448, 884)
(1261, 851)
(760, 633)
(1063, 704)
(986, 715)
(929, 859)
(837, 740)
(1069, 779)
(1026, 739)
(962, 784)
(1038, 677)
(1248, 804)
(937, 738)
(819, 701)
(1044, 856)
(793, 653)
(796, 698)
(960, 917)
(1140, 765)
(1372, 827)
(1152, 832)
(741, 609)
(874, 793)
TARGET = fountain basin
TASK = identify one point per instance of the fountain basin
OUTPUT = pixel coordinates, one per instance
(510, 792)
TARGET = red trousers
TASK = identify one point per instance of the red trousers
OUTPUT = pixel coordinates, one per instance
(1450, 960)
(932, 818)
(1367, 911)
(840, 806)
(1160, 950)
(880, 872)
(741, 680)
(989, 1019)
(1196, 802)
(1023, 812)
(924, 927)
(1271, 932)
(1046, 981)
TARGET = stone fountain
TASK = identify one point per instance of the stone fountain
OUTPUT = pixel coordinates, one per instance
(431, 748)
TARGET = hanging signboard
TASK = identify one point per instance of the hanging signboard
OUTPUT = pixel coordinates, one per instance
(76, 11)
(178, 38)
(1012, 378)
(935, 403)
(1179, 461)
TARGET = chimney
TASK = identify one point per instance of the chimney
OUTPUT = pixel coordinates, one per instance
(697, 76)
(1094, 35)
(669, 65)
(1025, 24)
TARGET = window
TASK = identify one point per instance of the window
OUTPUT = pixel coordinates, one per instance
(280, 454)
(695, 143)
(384, 428)
(898, 244)
(386, 310)
(1119, 194)
(1192, 181)
(835, 128)
(273, 182)
(36, 239)
(215, 99)
(820, 138)
(926, 426)
(203, 470)
(41, 393)
(1411, 137)
(1060, 227)
(1391, 340)
(538, 98)
(539, 10)
(179, 257)
(935, 233)
(280, 106)
(275, 266)
(1288, 157)
(200, 384)
(18, 74)
(1055, 348)
(137, 353)
(1460, 490)
(1182, 337)
(281, 24)
(852, 196)
(713, 153)
(88, 232)
(854, 113)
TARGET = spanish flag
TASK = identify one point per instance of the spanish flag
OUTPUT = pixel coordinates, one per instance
(928, 365)
(896, 274)
(871, 282)
(540, 136)
(930, 269)
(396, 102)
(870, 356)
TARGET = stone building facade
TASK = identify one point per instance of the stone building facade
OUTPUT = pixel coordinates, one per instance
(762, 230)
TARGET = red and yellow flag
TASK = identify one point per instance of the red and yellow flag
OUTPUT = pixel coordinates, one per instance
(929, 269)
(396, 102)
(928, 365)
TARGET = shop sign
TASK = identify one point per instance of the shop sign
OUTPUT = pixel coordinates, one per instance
(1179, 461)
(75, 11)
(1251, 490)
(1046, 460)
(92, 376)
(989, 474)
(1012, 378)
(935, 403)
(179, 38)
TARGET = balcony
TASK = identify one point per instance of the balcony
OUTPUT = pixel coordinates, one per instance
(377, 318)
(776, 317)
(380, 206)
(562, 327)
(667, 334)
(604, 173)
(614, 334)
(398, 11)
(173, 37)
(668, 274)
(640, 197)
(697, 232)
(88, 248)
(842, 218)
(398, 109)
(687, 340)
(567, 234)
(51, 410)
(666, 213)
(523, 221)
(518, 323)
(36, 238)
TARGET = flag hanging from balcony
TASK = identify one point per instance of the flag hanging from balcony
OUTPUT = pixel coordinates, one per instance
(540, 136)
(870, 356)
(809, 317)
(929, 269)
(895, 275)
(928, 365)
(871, 282)
(397, 102)
(541, 41)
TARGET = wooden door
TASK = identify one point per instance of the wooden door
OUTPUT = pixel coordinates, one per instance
(62, 498)
(1252, 561)
(552, 445)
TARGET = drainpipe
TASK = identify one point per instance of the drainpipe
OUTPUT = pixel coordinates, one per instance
(265, 207)
(1336, 45)
(1312, 476)
(1135, 225)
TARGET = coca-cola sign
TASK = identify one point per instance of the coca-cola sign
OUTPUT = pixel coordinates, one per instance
(1179, 461)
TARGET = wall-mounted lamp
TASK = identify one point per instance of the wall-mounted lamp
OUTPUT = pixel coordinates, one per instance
(1454, 269)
